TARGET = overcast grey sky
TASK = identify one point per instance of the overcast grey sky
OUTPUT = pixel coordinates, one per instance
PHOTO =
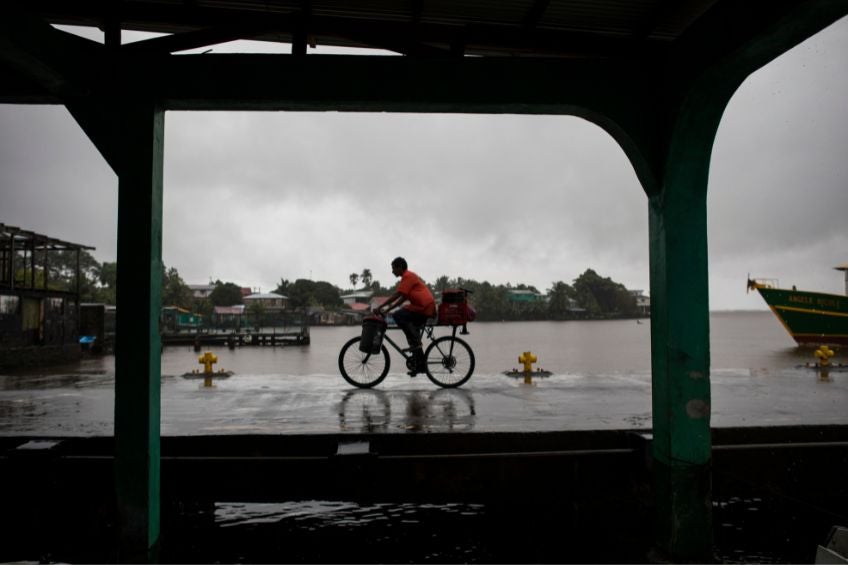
(256, 197)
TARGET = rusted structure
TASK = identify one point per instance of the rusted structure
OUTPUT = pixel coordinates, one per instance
(655, 75)
(39, 319)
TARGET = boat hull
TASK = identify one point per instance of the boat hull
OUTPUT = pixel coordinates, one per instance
(811, 318)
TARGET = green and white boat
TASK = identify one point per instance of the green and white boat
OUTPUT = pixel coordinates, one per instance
(811, 318)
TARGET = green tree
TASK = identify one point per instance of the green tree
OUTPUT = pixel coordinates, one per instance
(327, 295)
(354, 278)
(366, 277)
(441, 284)
(283, 287)
(379, 290)
(108, 279)
(300, 293)
(256, 313)
(601, 296)
(175, 292)
(560, 300)
(204, 307)
(305, 292)
(225, 294)
(61, 272)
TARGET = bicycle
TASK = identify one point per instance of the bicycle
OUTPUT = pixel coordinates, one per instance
(449, 360)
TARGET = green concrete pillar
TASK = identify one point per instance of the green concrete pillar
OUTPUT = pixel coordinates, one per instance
(680, 367)
(138, 350)
(680, 337)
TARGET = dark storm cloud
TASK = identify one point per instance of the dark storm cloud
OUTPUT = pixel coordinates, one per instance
(530, 187)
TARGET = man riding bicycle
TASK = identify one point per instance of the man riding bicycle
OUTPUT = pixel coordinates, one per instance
(421, 305)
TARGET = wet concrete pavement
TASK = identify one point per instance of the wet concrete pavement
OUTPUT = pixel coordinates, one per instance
(81, 403)
(319, 524)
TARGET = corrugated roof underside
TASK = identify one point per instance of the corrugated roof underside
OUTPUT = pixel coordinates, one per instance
(660, 19)
(495, 27)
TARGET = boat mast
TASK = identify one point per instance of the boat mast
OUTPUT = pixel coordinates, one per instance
(844, 268)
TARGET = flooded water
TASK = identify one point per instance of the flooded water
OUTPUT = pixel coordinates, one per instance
(739, 341)
(744, 341)
(600, 380)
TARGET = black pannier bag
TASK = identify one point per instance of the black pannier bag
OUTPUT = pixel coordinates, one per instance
(373, 330)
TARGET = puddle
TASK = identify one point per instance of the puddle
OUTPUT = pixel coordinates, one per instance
(342, 532)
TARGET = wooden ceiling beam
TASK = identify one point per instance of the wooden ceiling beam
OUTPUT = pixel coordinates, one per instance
(363, 83)
(534, 15)
(522, 38)
(198, 38)
(58, 62)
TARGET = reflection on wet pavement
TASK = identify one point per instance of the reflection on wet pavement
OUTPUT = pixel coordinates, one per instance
(326, 513)
(318, 531)
(444, 410)
(82, 403)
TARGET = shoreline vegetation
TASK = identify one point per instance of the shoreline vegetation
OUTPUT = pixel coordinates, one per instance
(590, 296)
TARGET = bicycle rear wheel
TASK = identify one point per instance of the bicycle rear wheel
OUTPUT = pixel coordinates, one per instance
(360, 369)
(450, 361)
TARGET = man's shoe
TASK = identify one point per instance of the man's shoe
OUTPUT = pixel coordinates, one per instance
(420, 368)
(420, 363)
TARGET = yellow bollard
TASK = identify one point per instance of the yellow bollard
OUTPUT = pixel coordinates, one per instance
(824, 353)
(527, 359)
(207, 360)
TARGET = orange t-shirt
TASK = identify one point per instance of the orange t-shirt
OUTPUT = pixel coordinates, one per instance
(420, 298)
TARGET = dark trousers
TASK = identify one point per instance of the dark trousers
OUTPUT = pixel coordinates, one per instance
(411, 324)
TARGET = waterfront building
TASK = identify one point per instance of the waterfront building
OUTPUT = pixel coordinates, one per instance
(228, 316)
(39, 316)
(643, 302)
(357, 297)
(270, 302)
(525, 296)
(201, 290)
(175, 319)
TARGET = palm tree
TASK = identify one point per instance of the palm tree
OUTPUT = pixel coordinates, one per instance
(354, 278)
(366, 277)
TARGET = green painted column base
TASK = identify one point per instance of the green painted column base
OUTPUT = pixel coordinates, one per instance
(683, 534)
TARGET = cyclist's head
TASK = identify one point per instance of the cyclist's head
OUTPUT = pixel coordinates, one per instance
(399, 266)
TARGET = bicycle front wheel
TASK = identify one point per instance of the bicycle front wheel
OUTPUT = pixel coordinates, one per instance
(360, 369)
(450, 362)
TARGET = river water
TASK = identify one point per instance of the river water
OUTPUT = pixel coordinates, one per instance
(740, 341)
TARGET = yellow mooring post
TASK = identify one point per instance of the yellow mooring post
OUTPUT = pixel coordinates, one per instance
(824, 353)
(527, 359)
(207, 360)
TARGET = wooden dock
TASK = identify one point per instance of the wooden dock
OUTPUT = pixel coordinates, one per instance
(273, 337)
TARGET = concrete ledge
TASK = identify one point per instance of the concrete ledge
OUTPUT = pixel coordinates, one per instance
(774, 490)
